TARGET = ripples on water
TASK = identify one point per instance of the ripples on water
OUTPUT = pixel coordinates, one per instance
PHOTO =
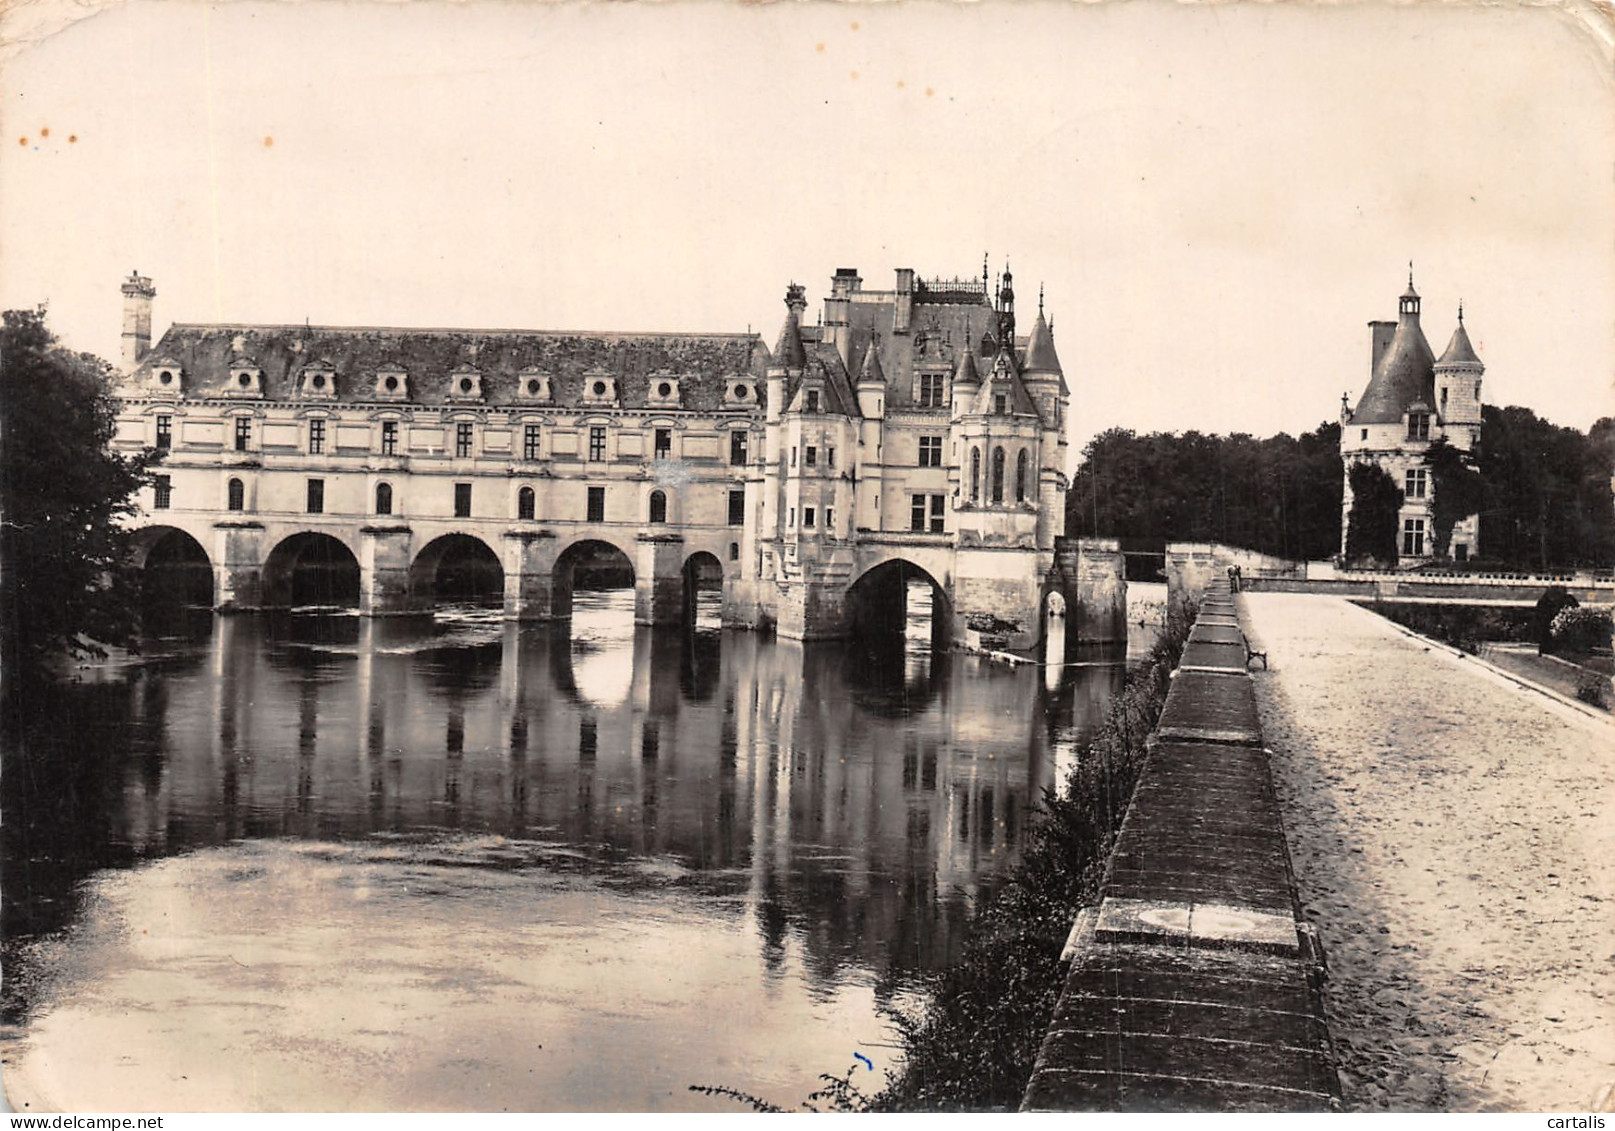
(326, 862)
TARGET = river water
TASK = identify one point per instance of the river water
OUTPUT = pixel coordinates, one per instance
(320, 862)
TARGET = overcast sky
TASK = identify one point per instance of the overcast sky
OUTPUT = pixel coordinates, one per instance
(1217, 198)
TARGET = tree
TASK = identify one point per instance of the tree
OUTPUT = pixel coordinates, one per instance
(68, 585)
(1456, 491)
(1371, 524)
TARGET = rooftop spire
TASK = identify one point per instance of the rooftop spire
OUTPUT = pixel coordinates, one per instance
(789, 352)
(1040, 355)
(871, 371)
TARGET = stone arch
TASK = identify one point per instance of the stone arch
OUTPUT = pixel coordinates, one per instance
(526, 503)
(877, 602)
(384, 498)
(656, 507)
(703, 571)
(603, 564)
(456, 567)
(235, 494)
(174, 565)
(311, 568)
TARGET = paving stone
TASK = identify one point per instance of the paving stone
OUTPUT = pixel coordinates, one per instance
(1206, 655)
(1216, 634)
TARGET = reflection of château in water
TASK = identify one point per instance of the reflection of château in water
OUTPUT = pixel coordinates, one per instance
(863, 805)
(916, 432)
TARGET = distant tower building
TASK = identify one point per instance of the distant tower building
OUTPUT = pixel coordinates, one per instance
(1412, 401)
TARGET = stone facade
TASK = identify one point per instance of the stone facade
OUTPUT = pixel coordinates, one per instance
(1413, 400)
(912, 428)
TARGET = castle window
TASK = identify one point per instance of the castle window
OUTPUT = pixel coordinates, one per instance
(1020, 477)
(830, 521)
(998, 475)
(1365, 434)
(658, 506)
(597, 443)
(738, 442)
(734, 551)
(314, 502)
(389, 437)
(916, 515)
(939, 505)
(1443, 400)
(462, 440)
(810, 457)
(662, 448)
(597, 504)
(162, 493)
(462, 500)
(1413, 537)
(930, 390)
(1418, 425)
(737, 508)
(812, 400)
(793, 518)
(1000, 404)
(235, 495)
(1416, 483)
(930, 451)
(530, 442)
(243, 433)
(807, 517)
(165, 433)
(384, 498)
(316, 437)
(526, 504)
(975, 475)
(793, 455)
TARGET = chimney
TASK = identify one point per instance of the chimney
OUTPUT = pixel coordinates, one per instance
(1383, 333)
(838, 310)
(137, 295)
(904, 316)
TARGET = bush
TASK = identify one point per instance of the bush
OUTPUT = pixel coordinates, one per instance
(1594, 689)
(1554, 600)
(1462, 626)
(1580, 630)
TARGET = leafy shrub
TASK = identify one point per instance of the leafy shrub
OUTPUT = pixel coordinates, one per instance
(1580, 630)
(1462, 626)
(1594, 689)
(1554, 600)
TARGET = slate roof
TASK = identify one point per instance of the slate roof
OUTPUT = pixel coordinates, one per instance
(1404, 376)
(1459, 351)
(703, 362)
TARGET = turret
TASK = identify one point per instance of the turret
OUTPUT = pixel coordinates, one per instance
(137, 295)
(966, 384)
(872, 384)
(1457, 388)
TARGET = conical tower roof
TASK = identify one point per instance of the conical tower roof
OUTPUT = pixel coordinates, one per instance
(1040, 355)
(1405, 375)
(788, 351)
(1459, 351)
(871, 370)
(967, 373)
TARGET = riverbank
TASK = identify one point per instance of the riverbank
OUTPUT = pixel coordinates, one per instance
(1453, 839)
(976, 1042)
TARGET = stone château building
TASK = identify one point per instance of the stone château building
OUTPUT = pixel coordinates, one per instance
(911, 434)
(1414, 399)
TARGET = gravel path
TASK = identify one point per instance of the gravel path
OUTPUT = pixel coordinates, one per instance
(1453, 837)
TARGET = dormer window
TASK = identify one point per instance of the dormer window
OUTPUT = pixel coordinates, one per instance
(740, 393)
(599, 388)
(246, 380)
(533, 385)
(931, 390)
(1418, 425)
(318, 382)
(810, 401)
(1001, 403)
(663, 390)
(165, 379)
(392, 384)
(465, 384)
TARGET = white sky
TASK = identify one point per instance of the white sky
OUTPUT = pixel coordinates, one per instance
(1217, 198)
